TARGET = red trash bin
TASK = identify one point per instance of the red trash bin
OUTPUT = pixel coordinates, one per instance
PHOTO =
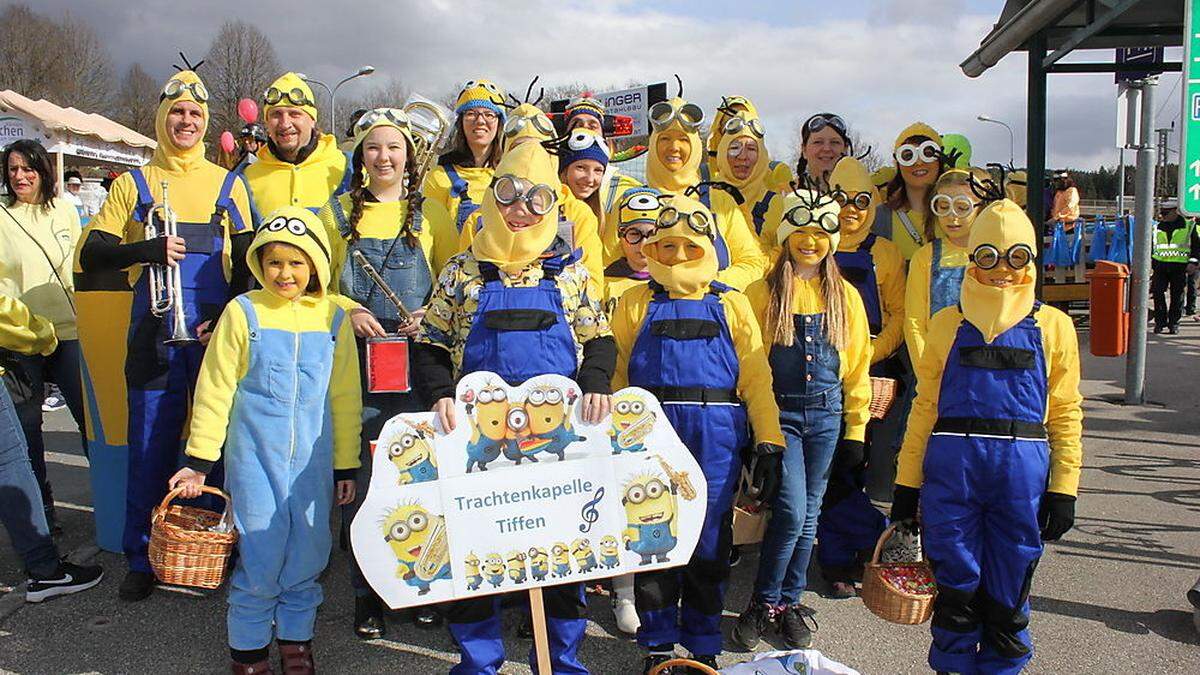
(1109, 308)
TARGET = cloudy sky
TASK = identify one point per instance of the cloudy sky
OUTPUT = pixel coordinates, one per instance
(880, 63)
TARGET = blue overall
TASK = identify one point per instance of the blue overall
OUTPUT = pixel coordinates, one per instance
(161, 379)
(653, 541)
(519, 333)
(279, 464)
(849, 524)
(685, 355)
(758, 214)
(723, 261)
(808, 388)
(458, 190)
(986, 468)
(945, 283)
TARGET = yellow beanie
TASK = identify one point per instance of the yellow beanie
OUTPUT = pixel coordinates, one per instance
(299, 227)
(917, 129)
(295, 94)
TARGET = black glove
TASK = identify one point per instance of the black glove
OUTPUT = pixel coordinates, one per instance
(849, 454)
(765, 470)
(904, 503)
(1056, 515)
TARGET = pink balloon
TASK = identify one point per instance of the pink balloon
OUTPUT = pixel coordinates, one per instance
(227, 142)
(247, 110)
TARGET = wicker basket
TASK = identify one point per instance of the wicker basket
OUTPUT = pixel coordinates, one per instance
(883, 392)
(885, 600)
(686, 663)
(184, 550)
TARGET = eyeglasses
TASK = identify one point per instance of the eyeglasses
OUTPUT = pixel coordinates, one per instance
(634, 236)
(638, 493)
(539, 199)
(296, 96)
(400, 530)
(945, 206)
(690, 115)
(909, 154)
(736, 124)
(987, 257)
(370, 118)
(296, 227)
(540, 122)
(475, 114)
(821, 120)
(860, 200)
(800, 216)
(698, 221)
(175, 88)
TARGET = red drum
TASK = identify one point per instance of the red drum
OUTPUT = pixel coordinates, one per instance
(387, 365)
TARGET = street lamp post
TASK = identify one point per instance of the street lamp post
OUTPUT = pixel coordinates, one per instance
(1011, 138)
(362, 72)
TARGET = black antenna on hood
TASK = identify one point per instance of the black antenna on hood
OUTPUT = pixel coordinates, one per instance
(680, 81)
(187, 63)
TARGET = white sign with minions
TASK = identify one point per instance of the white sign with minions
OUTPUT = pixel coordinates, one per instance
(523, 493)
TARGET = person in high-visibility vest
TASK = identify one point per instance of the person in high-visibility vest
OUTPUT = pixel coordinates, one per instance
(1176, 250)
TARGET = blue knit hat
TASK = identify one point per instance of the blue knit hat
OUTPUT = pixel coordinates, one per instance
(584, 105)
(582, 144)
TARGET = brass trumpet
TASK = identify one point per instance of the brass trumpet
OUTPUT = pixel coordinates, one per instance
(429, 127)
(166, 281)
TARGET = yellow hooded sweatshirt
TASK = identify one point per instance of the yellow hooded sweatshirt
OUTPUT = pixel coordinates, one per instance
(276, 182)
(691, 280)
(747, 262)
(994, 310)
(227, 358)
(761, 190)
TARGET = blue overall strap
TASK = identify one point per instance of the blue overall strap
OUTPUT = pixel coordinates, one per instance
(225, 205)
(458, 186)
(347, 175)
(339, 215)
(705, 174)
(418, 218)
(759, 212)
(704, 192)
(883, 222)
(251, 317)
(145, 200)
(336, 325)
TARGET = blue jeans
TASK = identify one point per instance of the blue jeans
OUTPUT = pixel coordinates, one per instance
(812, 437)
(21, 499)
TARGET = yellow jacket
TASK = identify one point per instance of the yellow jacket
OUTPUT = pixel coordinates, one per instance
(1064, 414)
(747, 261)
(436, 187)
(889, 275)
(754, 373)
(309, 184)
(854, 362)
(23, 331)
(617, 280)
(27, 275)
(916, 294)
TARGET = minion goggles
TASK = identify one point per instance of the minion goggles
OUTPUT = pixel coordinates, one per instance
(175, 88)
(539, 199)
(860, 200)
(909, 154)
(690, 115)
(801, 216)
(394, 116)
(698, 221)
(414, 523)
(296, 227)
(945, 206)
(296, 95)
(987, 257)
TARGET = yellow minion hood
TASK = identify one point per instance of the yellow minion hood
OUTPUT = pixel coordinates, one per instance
(659, 176)
(299, 227)
(512, 250)
(183, 86)
(287, 83)
(994, 310)
(685, 278)
(851, 177)
(754, 186)
(526, 121)
(730, 106)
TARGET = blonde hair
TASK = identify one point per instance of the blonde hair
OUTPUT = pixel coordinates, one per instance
(781, 284)
(952, 178)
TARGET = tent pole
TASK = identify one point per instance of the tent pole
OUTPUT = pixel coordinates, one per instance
(58, 161)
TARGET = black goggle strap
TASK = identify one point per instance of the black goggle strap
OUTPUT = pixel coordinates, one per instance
(729, 188)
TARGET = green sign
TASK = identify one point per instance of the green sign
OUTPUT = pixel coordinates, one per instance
(1189, 162)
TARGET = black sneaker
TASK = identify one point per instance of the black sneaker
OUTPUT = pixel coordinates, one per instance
(751, 625)
(793, 626)
(368, 617)
(136, 586)
(68, 578)
(427, 617)
(654, 659)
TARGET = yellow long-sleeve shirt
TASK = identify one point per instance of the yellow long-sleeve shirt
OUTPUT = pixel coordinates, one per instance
(226, 362)
(437, 186)
(36, 260)
(747, 261)
(754, 373)
(1064, 412)
(889, 276)
(23, 331)
(309, 184)
(854, 361)
(916, 294)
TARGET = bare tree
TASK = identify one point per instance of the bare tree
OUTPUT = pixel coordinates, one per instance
(61, 61)
(240, 63)
(392, 93)
(88, 81)
(135, 102)
(871, 157)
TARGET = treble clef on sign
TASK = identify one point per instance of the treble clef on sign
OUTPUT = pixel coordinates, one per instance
(589, 513)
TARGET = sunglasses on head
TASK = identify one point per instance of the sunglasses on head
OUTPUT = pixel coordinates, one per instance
(821, 120)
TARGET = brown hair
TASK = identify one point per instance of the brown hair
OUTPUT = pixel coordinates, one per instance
(358, 195)
(39, 160)
(460, 153)
(314, 279)
(780, 283)
(897, 196)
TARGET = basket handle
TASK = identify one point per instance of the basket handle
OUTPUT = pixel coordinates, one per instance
(883, 538)
(694, 665)
(162, 507)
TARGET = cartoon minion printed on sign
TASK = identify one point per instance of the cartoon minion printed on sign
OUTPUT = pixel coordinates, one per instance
(550, 429)
(631, 423)
(487, 414)
(516, 567)
(561, 559)
(609, 553)
(585, 558)
(471, 570)
(493, 569)
(539, 563)
(413, 455)
(651, 518)
(418, 540)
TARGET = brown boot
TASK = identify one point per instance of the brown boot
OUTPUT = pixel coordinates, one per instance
(261, 668)
(297, 659)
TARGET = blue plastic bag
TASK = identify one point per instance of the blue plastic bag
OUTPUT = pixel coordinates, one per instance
(1118, 249)
(1099, 248)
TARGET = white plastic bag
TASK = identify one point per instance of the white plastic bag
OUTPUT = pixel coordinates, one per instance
(797, 662)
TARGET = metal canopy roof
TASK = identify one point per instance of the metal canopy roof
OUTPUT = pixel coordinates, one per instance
(1078, 24)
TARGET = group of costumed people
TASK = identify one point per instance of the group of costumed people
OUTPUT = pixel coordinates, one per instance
(755, 301)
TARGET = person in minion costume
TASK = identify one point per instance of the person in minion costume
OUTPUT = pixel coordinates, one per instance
(675, 165)
(849, 525)
(935, 273)
(685, 316)
(534, 293)
(299, 166)
(464, 171)
(214, 231)
(731, 106)
(282, 486)
(993, 448)
(742, 160)
(904, 216)
(637, 219)
(820, 353)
